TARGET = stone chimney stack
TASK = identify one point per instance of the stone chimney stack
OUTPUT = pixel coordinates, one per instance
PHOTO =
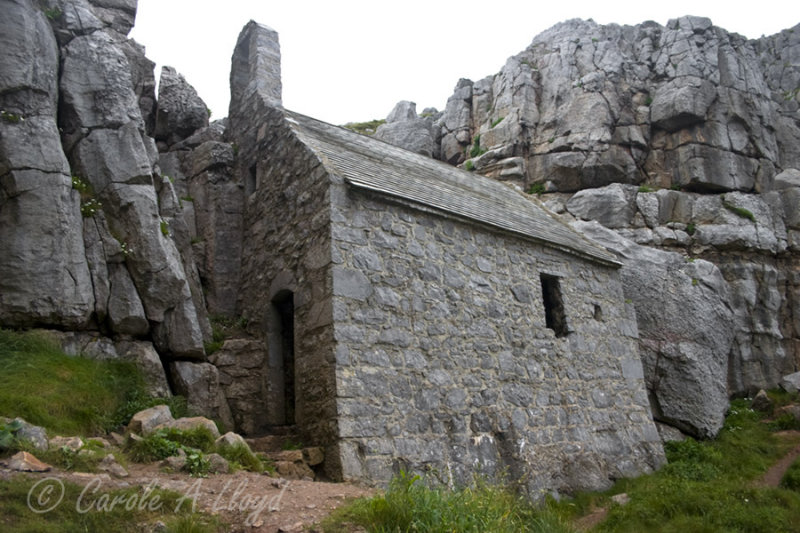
(255, 67)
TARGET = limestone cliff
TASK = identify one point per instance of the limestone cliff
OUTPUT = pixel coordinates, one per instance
(92, 235)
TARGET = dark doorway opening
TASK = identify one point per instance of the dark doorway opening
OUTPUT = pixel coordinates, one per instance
(554, 315)
(282, 378)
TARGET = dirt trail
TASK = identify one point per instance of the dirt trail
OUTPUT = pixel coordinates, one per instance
(249, 502)
(773, 476)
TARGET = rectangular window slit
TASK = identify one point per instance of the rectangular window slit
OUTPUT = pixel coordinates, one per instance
(554, 315)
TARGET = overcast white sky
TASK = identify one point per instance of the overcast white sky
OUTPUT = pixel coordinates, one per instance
(352, 60)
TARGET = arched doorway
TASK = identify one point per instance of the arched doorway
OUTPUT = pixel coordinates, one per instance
(280, 376)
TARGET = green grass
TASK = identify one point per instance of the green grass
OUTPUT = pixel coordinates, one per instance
(66, 517)
(240, 456)
(411, 505)
(168, 442)
(65, 395)
(707, 486)
(739, 211)
(791, 479)
(537, 189)
(364, 128)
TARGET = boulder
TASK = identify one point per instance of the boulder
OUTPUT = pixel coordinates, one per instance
(191, 422)
(175, 463)
(404, 129)
(109, 464)
(199, 383)
(231, 439)
(762, 402)
(217, 464)
(146, 421)
(684, 314)
(791, 383)
(26, 462)
(35, 435)
(73, 443)
(181, 112)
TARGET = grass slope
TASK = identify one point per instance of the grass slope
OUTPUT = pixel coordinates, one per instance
(66, 395)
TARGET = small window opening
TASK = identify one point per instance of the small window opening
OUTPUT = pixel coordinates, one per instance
(554, 315)
(598, 313)
(283, 307)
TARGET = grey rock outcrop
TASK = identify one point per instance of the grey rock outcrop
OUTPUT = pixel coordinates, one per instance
(405, 129)
(44, 276)
(586, 105)
(117, 159)
(683, 311)
(241, 366)
(199, 383)
(180, 112)
(85, 243)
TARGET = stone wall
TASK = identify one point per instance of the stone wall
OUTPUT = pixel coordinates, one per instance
(444, 362)
(287, 255)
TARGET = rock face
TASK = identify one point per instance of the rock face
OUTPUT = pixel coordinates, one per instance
(405, 129)
(92, 236)
(44, 275)
(180, 112)
(587, 105)
(684, 315)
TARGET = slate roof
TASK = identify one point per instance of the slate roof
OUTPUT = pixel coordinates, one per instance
(367, 163)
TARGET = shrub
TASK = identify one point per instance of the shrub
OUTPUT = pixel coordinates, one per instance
(537, 189)
(740, 211)
(199, 437)
(151, 448)
(241, 456)
(197, 465)
(364, 128)
(785, 422)
(8, 434)
(476, 147)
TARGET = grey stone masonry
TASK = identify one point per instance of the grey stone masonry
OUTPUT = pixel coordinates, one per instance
(444, 360)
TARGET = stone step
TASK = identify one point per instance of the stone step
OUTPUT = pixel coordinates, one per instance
(300, 463)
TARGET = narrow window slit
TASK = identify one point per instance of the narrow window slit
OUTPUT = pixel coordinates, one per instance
(554, 315)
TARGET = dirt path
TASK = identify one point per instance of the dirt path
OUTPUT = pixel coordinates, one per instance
(246, 501)
(773, 476)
